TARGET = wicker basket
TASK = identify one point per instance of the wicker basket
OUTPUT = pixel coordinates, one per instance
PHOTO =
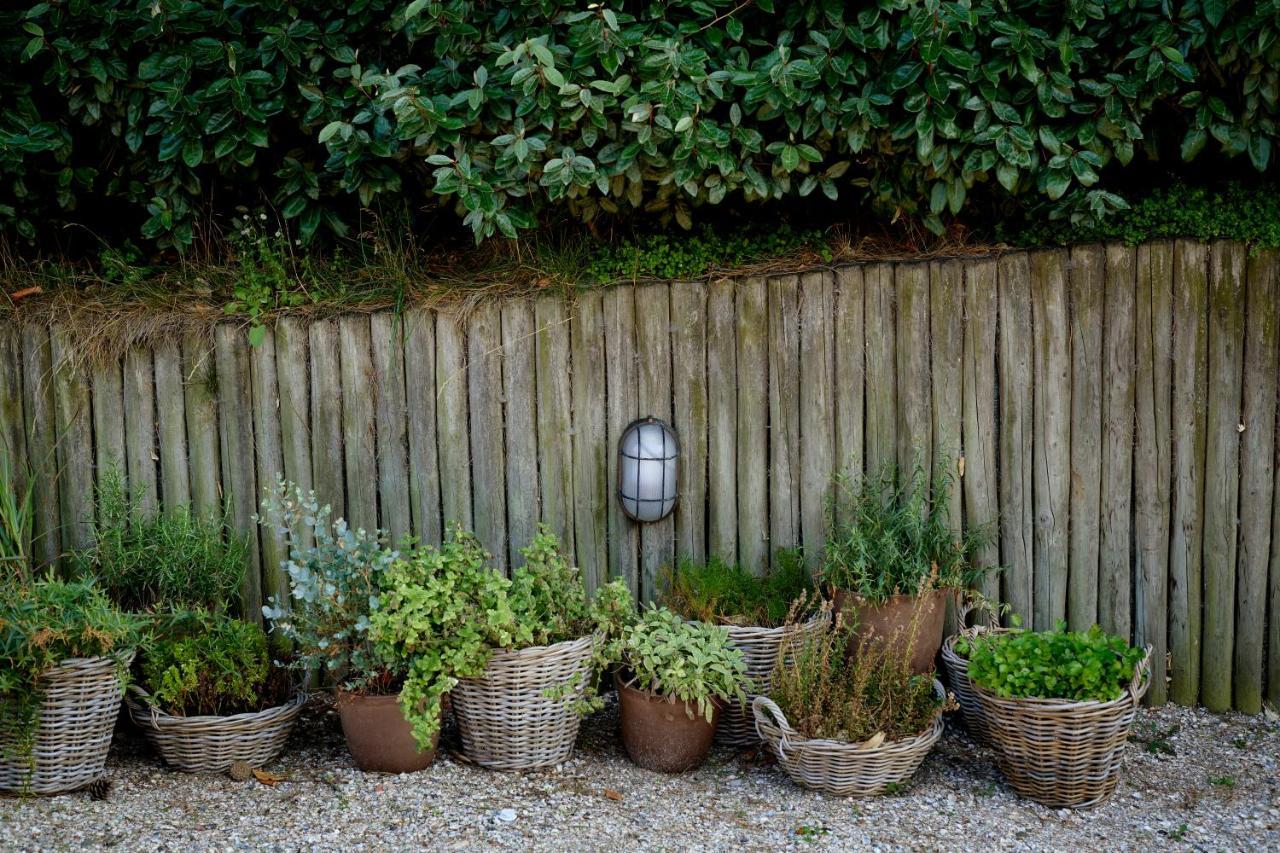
(505, 717)
(79, 705)
(961, 685)
(759, 647)
(837, 767)
(212, 744)
(1059, 753)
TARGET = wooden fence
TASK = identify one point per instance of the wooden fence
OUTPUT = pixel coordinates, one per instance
(1113, 407)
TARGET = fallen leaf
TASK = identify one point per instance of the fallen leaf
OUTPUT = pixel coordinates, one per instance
(873, 742)
(612, 794)
(268, 778)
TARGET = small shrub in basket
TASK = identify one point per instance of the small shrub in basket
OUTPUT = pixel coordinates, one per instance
(1058, 706)
(845, 725)
(757, 611)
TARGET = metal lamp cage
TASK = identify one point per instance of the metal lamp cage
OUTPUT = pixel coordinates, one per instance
(647, 454)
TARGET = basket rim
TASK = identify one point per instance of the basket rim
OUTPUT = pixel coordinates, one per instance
(1131, 694)
(930, 734)
(157, 718)
(538, 651)
(761, 632)
(123, 656)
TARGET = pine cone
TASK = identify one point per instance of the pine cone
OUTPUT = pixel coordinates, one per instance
(240, 771)
(99, 789)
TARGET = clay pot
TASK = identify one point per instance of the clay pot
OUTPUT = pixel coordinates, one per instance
(663, 734)
(378, 735)
(891, 623)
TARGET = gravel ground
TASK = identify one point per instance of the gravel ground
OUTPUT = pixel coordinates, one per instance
(1190, 779)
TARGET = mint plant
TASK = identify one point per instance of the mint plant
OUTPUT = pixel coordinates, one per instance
(1059, 664)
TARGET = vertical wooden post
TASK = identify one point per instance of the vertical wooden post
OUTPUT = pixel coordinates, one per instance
(689, 390)
(946, 367)
(395, 514)
(175, 480)
(270, 461)
(914, 422)
(978, 378)
(817, 412)
(452, 437)
(140, 428)
(850, 377)
(722, 421)
(1015, 433)
(1119, 358)
(326, 417)
(420, 398)
(235, 431)
(555, 416)
(488, 467)
(73, 422)
(881, 380)
(784, 412)
(594, 503)
(1088, 274)
(753, 442)
(359, 456)
(653, 347)
(623, 407)
(522, 440)
(200, 389)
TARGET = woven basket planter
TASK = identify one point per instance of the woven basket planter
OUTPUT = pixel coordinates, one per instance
(759, 647)
(506, 719)
(958, 676)
(212, 744)
(78, 709)
(1059, 753)
(837, 767)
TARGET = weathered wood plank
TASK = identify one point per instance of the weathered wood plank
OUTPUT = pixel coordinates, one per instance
(722, 417)
(1273, 599)
(1088, 274)
(73, 422)
(269, 458)
(235, 430)
(784, 412)
(1152, 454)
(41, 439)
(946, 327)
(753, 439)
(1257, 478)
(358, 448)
(653, 349)
(881, 373)
(326, 417)
(171, 426)
(488, 468)
(200, 403)
(689, 387)
(1052, 440)
(1016, 421)
(817, 409)
(850, 355)
(13, 431)
(914, 434)
(553, 380)
(292, 371)
(621, 376)
(1119, 356)
(395, 514)
(420, 397)
(1183, 596)
(522, 426)
(1222, 459)
(140, 428)
(452, 437)
(593, 502)
(979, 479)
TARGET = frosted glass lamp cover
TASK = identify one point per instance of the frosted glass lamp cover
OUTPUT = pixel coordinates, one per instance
(647, 454)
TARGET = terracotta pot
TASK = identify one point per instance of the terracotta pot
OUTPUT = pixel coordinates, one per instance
(378, 735)
(891, 623)
(663, 734)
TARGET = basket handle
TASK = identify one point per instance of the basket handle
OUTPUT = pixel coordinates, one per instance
(145, 698)
(970, 603)
(762, 706)
(1141, 678)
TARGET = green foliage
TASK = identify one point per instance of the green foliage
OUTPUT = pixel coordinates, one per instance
(694, 255)
(336, 578)
(15, 525)
(826, 693)
(727, 593)
(203, 663)
(691, 662)
(1078, 666)
(1250, 213)
(507, 111)
(42, 624)
(889, 539)
(171, 559)
(445, 610)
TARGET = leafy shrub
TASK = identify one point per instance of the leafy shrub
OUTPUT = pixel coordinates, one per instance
(825, 693)
(687, 661)
(42, 624)
(445, 610)
(172, 559)
(694, 255)
(336, 576)
(202, 663)
(727, 593)
(1052, 664)
(887, 539)
(507, 110)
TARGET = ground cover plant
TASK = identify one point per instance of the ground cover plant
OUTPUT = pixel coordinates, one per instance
(721, 592)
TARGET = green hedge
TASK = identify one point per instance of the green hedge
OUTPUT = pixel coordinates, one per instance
(513, 111)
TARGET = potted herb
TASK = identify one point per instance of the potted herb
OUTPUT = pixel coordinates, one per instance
(64, 659)
(849, 725)
(674, 677)
(892, 563)
(1057, 706)
(517, 655)
(336, 580)
(757, 611)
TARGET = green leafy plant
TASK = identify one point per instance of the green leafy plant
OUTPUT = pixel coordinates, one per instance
(727, 593)
(170, 559)
(887, 539)
(42, 624)
(694, 255)
(15, 525)
(871, 697)
(693, 662)
(202, 663)
(445, 610)
(1060, 664)
(336, 577)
